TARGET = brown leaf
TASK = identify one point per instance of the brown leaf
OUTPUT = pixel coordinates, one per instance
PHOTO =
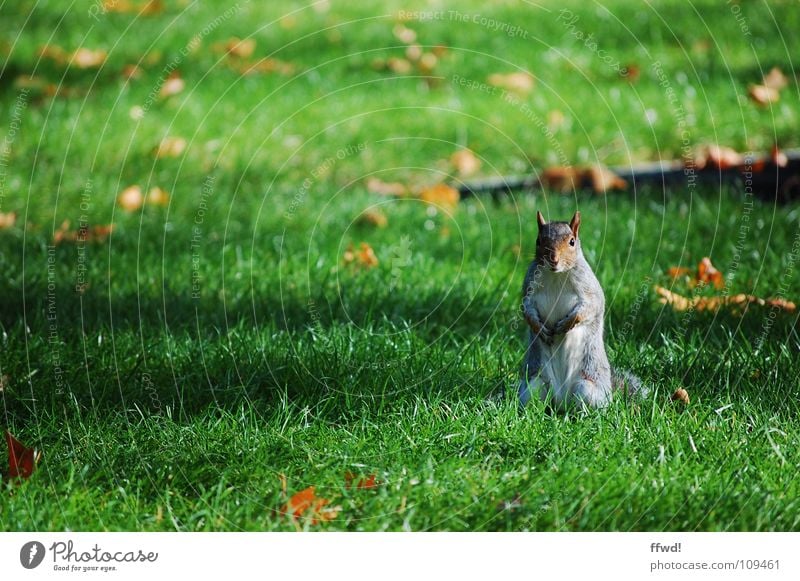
(147, 8)
(85, 58)
(783, 304)
(517, 82)
(681, 395)
(132, 72)
(678, 271)
(131, 198)
(7, 220)
(263, 65)
(170, 147)
(373, 217)
(465, 162)
(404, 34)
(708, 274)
(84, 233)
(365, 483)
(603, 179)
(240, 48)
(378, 186)
(775, 79)
(427, 63)
(173, 85)
(22, 460)
(763, 95)
(778, 157)
(717, 156)
(561, 178)
(441, 195)
(399, 65)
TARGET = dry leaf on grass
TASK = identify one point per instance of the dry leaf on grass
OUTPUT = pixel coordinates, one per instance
(603, 179)
(365, 483)
(399, 65)
(84, 233)
(561, 178)
(373, 217)
(718, 156)
(131, 198)
(706, 273)
(378, 186)
(517, 82)
(737, 304)
(170, 147)
(173, 85)
(404, 34)
(763, 95)
(7, 220)
(22, 460)
(465, 162)
(681, 395)
(775, 79)
(146, 8)
(157, 197)
(85, 58)
(306, 504)
(364, 257)
(441, 195)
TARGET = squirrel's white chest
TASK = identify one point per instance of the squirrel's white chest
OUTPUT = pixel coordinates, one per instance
(562, 361)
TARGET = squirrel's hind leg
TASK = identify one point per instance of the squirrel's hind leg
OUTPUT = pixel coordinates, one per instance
(528, 388)
(591, 394)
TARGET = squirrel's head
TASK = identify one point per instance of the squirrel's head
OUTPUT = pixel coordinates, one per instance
(558, 245)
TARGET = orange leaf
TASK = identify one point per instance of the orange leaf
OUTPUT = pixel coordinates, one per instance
(131, 198)
(364, 257)
(7, 220)
(603, 179)
(377, 186)
(83, 234)
(763, 95)
(22, 460)
(466, 162)
(718, 156)
(441, 195)
(366, 483)
(677, 271)
(681, 395)
(517, 82)
(307, 504)
(707, 273)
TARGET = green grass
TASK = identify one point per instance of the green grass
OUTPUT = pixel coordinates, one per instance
(160, 405)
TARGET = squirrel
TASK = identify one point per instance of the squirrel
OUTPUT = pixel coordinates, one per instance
(563, 304)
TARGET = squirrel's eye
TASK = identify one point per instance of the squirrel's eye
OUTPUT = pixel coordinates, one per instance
(572, 242)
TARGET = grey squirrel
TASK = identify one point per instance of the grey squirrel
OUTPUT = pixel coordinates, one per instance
(564, 306)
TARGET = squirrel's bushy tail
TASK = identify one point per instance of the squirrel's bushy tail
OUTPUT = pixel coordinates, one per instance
(628, 383)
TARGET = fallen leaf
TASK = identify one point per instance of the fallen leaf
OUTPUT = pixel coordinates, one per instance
(404, 34)
(518, 82)
(717, 156)
(365, 483)
(170, 147)
(240, 48)
(427, 63)
(708, 274)
(561, 178)
(737, 304)
(85, 58)
(398, 65)
(775, 79)
(441, 195)
(22, 460)
(763, 95)
(157, 197)
(7, 220)
(778, 157)
(131, 72)
(147, 8)
(363, 257)
(82, 234)
(466, 162)
(173, 85)
(378, 186)
(131, 198)
(603, 179)
(263, 65)
(681, 395)
(373, 217)
(414, 52)
(783, 304)
(306, 504)
(675, 272)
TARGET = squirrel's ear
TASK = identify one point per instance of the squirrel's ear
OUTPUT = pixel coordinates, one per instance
(540, 218)
(575, 223)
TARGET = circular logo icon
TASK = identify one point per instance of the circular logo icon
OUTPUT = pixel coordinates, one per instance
(31, 554)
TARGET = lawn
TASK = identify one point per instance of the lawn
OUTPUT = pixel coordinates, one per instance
(216, 355)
